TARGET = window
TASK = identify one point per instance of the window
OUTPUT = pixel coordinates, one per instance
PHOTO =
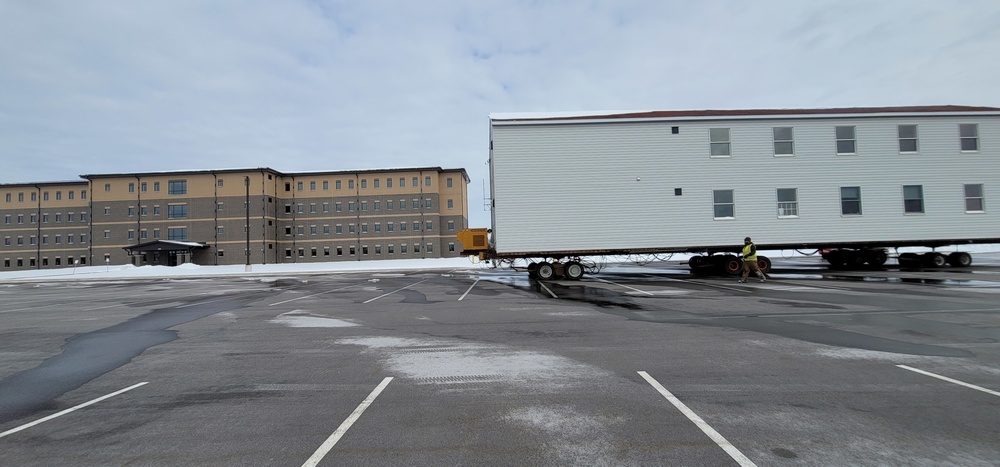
(378, 227)
(352, 251)
(326, 186)
(402, 182)
(451, 204)
(913, 199)
(350, 206)
(131, 187)
(392, 249)
(338, 207)
(416, 204)
(350, 184)
(448, 182)
(351, 228)
(156, 187)
(850, 200)
(312, 251)
(340, 229)
(340, 251)
(402, 248)
(427, 181)
(429, 225)
(326, 207)
(846, 141)
(107, 187)
(142, 187)
(416, 181)
(402, 226)
(364, 183)
(788, 202)
(784, 141)
(364, 249)
(364, 205)
(45, 196)
(177, 187)
(724, 205)
(131, 211)
(389, 227)
(719, 141)
(156, 211)
(220, 206)
(974, 198)
(907, 138)
(968, 134)
(416, 248)
(427, 203)
(375, 183)
(326, 251)
(302, 252)
(377, 205)
(298, 186)
(451, 225)
(176, 211)
(388, 205)
(451, 247)
(338, 184)
(312, 208)
(70, 193)
(288, 252)
(388, 183)
(177, 233)
(219, 184)
(312, 230)
(416, 226)
(58, 195)
(312, 187)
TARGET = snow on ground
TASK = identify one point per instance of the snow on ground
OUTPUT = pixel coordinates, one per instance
(193, 270)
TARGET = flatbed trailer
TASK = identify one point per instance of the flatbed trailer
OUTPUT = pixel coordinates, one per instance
(852, 183)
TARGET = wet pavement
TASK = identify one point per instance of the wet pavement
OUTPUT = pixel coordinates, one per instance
(490, 367)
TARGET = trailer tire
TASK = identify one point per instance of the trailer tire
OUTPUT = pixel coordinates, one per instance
(533, 270)
(573, 271)
(731, 265)
(835, 258)
(960, 259)
(695, 262)
(935, 260)
(764, 263)
(908, 260)
(876, 258)
(545, 271)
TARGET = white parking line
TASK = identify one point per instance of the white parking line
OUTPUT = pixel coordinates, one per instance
(945, 378)
(708, 430)
(71, 409)
(332, 440)
(313, 295)
(394, 291)
(470, 290)
(547, 290)
(623, 285)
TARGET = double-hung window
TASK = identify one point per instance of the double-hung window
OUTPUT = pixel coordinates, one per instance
(913, 199)
(788, 202)
(846, 140)
(974, 198)
(907, 138)
(850, 200)
(724, 204)
(968, 133)
(784, 141)
(719, 142)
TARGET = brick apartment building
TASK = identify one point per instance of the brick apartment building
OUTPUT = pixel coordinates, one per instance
(208, 217)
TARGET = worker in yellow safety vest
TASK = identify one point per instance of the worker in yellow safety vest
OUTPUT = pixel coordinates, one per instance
(750, 260)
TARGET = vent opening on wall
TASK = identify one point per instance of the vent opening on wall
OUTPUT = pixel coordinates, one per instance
(677, 191)
(675, 130)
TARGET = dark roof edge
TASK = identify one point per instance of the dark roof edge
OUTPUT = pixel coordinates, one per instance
(751, 113)
(42, 184)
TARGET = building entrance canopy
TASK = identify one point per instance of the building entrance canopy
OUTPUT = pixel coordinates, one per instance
(167, 246)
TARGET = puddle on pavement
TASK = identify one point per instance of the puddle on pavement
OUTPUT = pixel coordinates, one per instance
(85, 357)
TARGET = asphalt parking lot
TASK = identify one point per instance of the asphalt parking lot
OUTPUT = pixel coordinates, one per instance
(633, 366)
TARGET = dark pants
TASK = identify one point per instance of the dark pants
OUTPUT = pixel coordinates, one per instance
(751, 265)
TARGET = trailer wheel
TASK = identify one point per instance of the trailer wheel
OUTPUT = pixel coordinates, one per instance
(764, 264)
(545, 271)
(908, 260)
(573, 270)
(935, 260)
(960, 259)
(875, 258)
(533, 270)
(696, 261)
(731, 265)
(835, 258)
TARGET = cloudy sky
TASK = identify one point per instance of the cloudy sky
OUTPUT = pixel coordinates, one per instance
(298, 85)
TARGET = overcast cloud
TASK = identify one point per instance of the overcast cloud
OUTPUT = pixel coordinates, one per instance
(295, 85)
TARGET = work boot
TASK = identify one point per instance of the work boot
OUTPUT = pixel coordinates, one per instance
(762, 279)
